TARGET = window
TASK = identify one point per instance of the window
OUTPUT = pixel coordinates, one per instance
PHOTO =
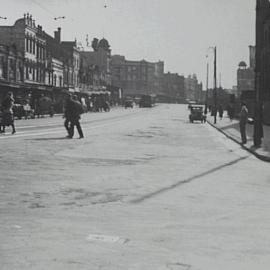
(31, 44)
(26, 44)
(54, 80)
(34, 46)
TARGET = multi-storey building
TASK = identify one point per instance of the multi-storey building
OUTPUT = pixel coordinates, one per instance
(246, 77)
(71, 61)
(11, 69)
(44, 64)
(96, 65)
(193, 89)
(262, 69)
(173, 88)
(27, 38)
(137, 77)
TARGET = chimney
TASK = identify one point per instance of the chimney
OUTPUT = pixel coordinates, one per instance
(57, 35)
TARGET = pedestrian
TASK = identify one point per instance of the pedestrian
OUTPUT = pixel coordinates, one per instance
(67, 114)
(220, 112)
(243, 117)
(7, 116)
(230, 111)
(73, 111)
(1, 119)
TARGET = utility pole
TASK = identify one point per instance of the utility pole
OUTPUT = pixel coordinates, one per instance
(215, 85)
(258, 123)
(206, 94)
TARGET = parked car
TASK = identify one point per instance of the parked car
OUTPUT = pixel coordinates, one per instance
(196, 114)
(45, 106)
(146, 101)
(129, 104)
(18, 111)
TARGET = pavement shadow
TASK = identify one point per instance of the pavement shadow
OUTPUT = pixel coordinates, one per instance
(48, 139)
(233, 125)
(188, 180)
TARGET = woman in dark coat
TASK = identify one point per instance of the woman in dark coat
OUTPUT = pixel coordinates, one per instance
(7, 116)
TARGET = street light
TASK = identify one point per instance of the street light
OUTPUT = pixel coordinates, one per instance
(215, 83)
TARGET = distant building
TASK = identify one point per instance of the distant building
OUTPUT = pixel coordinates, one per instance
(173, 89)
(137, 77)
(193, 89)
(245, 81)
(96, 64)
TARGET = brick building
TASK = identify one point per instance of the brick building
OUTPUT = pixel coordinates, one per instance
(96, 65)
(173, 88)
(137, 78)
(193, 89)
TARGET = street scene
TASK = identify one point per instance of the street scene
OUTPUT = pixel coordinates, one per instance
(134, 135)
(131, 196)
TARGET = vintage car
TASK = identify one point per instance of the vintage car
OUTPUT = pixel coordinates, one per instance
(129, 103)
(146, 101)
(196, 114)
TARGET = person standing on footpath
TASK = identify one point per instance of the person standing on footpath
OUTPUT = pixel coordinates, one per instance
(73, 110)
(243, 117)
(7, 116)
(220, 112)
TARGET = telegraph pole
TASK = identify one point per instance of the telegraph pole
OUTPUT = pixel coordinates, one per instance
(215, 85)
(258, 123)
(206, 94)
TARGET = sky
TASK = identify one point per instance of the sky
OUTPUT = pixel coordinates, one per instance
(178, 32)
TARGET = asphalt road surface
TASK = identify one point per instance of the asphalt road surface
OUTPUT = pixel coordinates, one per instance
(145, 190)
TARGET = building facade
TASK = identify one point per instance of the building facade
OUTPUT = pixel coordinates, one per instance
(193, 89)
(263, 58)
(137, 78)
(34, 64)
(173, 88)
(96, 66)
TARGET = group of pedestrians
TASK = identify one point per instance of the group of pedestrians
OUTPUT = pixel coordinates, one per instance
(72, 114)
(243, 117)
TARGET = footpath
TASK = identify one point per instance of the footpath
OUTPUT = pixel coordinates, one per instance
(230, 128)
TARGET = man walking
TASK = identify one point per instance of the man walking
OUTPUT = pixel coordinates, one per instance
(73, 110)
(243, 121)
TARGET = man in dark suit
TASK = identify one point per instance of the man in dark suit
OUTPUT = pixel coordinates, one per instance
(73, 110)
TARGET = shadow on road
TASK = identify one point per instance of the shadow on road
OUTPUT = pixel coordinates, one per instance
(188, 180)
(48, 139)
